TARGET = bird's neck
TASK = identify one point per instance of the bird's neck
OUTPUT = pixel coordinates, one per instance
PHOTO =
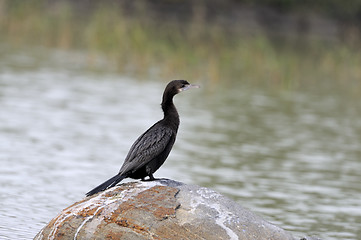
(171, 116)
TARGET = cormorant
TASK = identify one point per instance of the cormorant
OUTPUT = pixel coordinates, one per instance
(152, 148)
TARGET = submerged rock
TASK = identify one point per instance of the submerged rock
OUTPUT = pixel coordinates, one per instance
(161, 209)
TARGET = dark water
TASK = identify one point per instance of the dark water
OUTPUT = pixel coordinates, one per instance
(294, 158)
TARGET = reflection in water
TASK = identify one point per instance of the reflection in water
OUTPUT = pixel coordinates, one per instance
(293, 158)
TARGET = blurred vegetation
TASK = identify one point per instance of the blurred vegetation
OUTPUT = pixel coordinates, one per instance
(140, 43)
(343, 10)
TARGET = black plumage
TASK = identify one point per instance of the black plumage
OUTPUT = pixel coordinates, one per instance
(152, 148)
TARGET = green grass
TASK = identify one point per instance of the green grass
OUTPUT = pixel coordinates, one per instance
(140, 45)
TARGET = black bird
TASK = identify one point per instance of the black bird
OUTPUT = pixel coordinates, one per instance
(152, 148)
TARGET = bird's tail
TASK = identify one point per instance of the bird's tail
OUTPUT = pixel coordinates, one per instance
(107, 184)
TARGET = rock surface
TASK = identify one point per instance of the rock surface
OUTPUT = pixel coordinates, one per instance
(161, 209)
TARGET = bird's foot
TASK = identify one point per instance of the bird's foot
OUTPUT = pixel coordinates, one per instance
(148, 180)
(151, 178)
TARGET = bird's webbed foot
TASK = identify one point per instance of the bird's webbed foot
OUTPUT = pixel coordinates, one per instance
(151, 178)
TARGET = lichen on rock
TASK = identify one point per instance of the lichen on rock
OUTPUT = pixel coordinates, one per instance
(161, 209)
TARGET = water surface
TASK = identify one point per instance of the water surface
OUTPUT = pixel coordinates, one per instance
(292, 157)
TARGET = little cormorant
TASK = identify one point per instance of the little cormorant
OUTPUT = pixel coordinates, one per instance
(152, 148)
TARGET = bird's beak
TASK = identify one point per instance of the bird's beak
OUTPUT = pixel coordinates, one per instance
(190, 86)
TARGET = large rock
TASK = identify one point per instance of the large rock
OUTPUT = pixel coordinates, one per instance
(162, 209)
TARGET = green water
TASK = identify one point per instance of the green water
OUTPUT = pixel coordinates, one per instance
(294, 157)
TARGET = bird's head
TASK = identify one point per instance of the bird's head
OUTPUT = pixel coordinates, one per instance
(177, 86)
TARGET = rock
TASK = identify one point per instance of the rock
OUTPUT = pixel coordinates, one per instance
(161, 209)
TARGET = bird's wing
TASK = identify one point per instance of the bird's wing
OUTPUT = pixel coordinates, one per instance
(149, 145)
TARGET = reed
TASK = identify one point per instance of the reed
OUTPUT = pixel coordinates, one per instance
(138, 44)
